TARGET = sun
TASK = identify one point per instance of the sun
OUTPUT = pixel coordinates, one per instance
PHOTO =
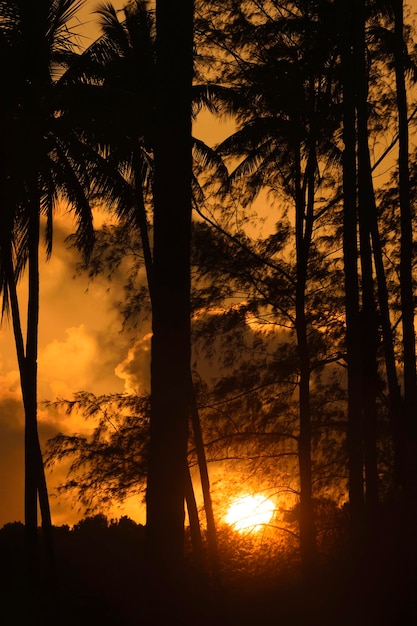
(249, 513)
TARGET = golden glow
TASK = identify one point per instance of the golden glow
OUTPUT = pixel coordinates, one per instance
(250, 513)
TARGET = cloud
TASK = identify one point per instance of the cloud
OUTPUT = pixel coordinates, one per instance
(134, 370)
(80, 348)
(65, 366)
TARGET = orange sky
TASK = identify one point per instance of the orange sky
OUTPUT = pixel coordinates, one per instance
(80, 348)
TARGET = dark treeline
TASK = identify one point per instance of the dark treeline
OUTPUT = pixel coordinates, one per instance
(276, 270)
(102, 578)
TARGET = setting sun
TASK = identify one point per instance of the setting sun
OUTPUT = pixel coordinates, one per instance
(250, 513)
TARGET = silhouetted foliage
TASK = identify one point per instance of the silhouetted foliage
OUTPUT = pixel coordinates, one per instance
(101, 576)
(109, 465)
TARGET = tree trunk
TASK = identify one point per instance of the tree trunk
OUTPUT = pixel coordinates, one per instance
(406, 262)
(195, 528)
(205, 486)
(350, 256)
(369, 318)
(171, 344)
(35, 482)
(394, 392)
(30, 397)
(303, 240)
(407, 307)
(34, 25)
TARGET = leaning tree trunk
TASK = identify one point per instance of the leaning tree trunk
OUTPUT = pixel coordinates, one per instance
(171, 343)
(35, 481)
(30, 492)
(30, 396)
(34, 23)
(213, 551)
(195, 528)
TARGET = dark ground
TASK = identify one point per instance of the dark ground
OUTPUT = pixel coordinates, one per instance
(101, 583)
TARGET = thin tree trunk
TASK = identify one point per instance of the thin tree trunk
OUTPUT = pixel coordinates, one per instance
(35, 482)
(303, 240)
(406, 261)
(205, 486)
(30, 378)
(33, 21)
(195, 528)
(142, 224)
(394, 392)
(350, 256)
(407, 306)
(30, 497)
(35, 473)
(369, 319)
(47, 527)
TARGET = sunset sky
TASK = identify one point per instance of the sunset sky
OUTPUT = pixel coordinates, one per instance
(81, 347)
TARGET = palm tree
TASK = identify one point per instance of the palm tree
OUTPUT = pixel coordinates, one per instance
(44, 164)
(115, 115)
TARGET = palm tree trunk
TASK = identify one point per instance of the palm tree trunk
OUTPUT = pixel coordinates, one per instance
(31, 429)
(30, 498)
(171, 341)
(33, 21)
(33, 452)
(35, 481)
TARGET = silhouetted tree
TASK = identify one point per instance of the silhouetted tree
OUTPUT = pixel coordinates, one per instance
(286, 118)
(122, 64)
(171, 340)
(38, 168)
(401, 61)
